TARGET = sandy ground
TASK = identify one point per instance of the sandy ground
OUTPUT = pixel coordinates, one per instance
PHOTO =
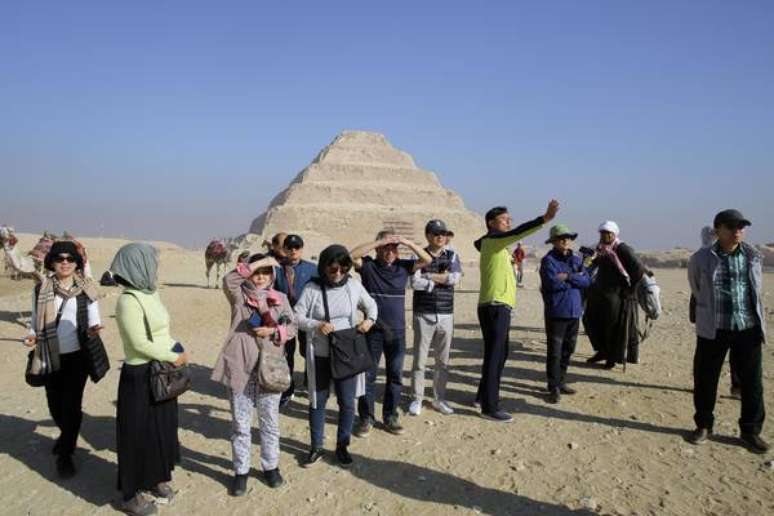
(614, 448)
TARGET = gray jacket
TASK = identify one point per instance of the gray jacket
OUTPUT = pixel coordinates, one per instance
(701, 275)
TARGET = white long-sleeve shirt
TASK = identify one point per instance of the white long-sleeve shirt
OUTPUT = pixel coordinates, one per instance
(67, 331)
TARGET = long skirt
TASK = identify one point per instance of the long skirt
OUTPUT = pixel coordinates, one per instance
(610, 323)
(147, 443)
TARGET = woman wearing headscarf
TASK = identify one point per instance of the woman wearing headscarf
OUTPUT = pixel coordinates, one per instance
(148, 447)
(65, 318)
(611, 306)
(345, 296)
(249, 290)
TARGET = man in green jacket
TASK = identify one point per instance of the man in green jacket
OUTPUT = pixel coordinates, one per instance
(497, 298)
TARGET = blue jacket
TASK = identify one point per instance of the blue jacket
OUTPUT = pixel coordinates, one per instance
(563, 299)
(304, 271)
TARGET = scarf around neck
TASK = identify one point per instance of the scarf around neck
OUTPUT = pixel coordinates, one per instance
(609, 251)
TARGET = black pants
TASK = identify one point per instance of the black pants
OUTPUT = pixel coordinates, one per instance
(561, 336)
(745, 349)
(495, 321)
(64, 393)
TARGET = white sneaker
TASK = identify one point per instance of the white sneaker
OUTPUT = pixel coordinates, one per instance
(415, 408)
(442, 407)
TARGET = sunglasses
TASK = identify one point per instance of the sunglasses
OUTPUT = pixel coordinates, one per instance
(293, 247)
(333, 269)
(64, 258)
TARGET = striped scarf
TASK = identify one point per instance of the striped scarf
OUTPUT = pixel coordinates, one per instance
(47, 314)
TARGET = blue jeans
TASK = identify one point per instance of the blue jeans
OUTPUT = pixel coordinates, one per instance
(394, 349)
(345, 396)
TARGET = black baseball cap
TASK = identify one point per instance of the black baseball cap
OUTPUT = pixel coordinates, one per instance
(436, 227)
(293, 242)
(731, 218)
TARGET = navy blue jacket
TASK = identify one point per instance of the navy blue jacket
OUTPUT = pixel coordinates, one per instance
(304, 271)
(563, 299)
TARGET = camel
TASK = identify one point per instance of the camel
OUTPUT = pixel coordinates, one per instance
(22, 266)
(218, 253)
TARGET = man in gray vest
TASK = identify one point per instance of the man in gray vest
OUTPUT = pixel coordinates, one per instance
(727, 281)
(433, 306)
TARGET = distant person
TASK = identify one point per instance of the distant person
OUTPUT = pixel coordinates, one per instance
(385, 278)
(295, 273)
(433, 306)
(147, 443)
(65, 315)
(497, 298)
(276, 247)
(727, 281)
(345, 296)
(611, 306)
(563, 278)
(249, 290)
(518, 258)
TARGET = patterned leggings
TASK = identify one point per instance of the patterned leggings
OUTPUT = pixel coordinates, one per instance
(242, 408)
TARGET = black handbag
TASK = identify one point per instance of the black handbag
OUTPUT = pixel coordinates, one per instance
(167, 381)
(348, 348)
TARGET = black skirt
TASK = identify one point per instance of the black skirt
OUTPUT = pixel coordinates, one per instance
(147, 443)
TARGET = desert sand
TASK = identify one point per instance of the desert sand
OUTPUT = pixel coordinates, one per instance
(616, 447)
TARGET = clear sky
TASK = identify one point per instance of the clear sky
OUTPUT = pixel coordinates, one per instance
(180, 120)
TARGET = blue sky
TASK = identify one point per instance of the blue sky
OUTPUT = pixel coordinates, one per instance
(181, 120)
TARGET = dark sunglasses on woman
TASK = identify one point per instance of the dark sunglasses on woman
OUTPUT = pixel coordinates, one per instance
(64, 258)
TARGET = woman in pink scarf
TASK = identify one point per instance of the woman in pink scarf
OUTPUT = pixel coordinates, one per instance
(611, 307)
(248, 289)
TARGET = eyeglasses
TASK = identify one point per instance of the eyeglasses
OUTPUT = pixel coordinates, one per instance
(64, 258)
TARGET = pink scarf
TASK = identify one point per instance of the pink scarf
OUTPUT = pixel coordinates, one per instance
(262, 299)
(609, 251)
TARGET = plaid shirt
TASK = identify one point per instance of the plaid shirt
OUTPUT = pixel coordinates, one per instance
(733, 307)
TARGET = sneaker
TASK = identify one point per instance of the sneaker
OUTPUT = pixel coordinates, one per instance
(393, 426)
(754, 443)
(315, 454)
(343, 456)
(273, 478)
(596, 357)
(65, 467)
(554, 396)
(736, 392)
(698, 436)
(138, 505)
(499, 416)
(566, 389)
(239, 485)
(442, 407)
(415, 408)
(163, 493)
(362, 428)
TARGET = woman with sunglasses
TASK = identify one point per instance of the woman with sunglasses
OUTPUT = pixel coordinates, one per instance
(345, 297)
(257, 311)
(65, 317)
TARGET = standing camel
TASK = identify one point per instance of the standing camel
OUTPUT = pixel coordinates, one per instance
(218, 253)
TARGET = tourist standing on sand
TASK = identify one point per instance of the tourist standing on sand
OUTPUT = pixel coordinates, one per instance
(345, 296)
(295, 273)
(147, 443)
(611, 306)
(727, 281)
(497, 298)
(518, 259)
(65, 318)
(249, 291)
(563, 278)
(433, 306)
(385, 278)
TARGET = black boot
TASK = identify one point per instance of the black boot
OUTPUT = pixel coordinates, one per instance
(599, 356)
(273, 478)
(239, 486)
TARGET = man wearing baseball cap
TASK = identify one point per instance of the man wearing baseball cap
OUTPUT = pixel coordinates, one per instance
(562, 280)
(433, 307)
(727, 281)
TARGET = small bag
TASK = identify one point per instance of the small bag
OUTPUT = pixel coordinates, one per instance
(273, 370)
(167, 381)
(37, 370)
(349, 349)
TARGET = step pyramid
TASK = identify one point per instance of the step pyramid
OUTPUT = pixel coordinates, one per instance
(361, 184)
